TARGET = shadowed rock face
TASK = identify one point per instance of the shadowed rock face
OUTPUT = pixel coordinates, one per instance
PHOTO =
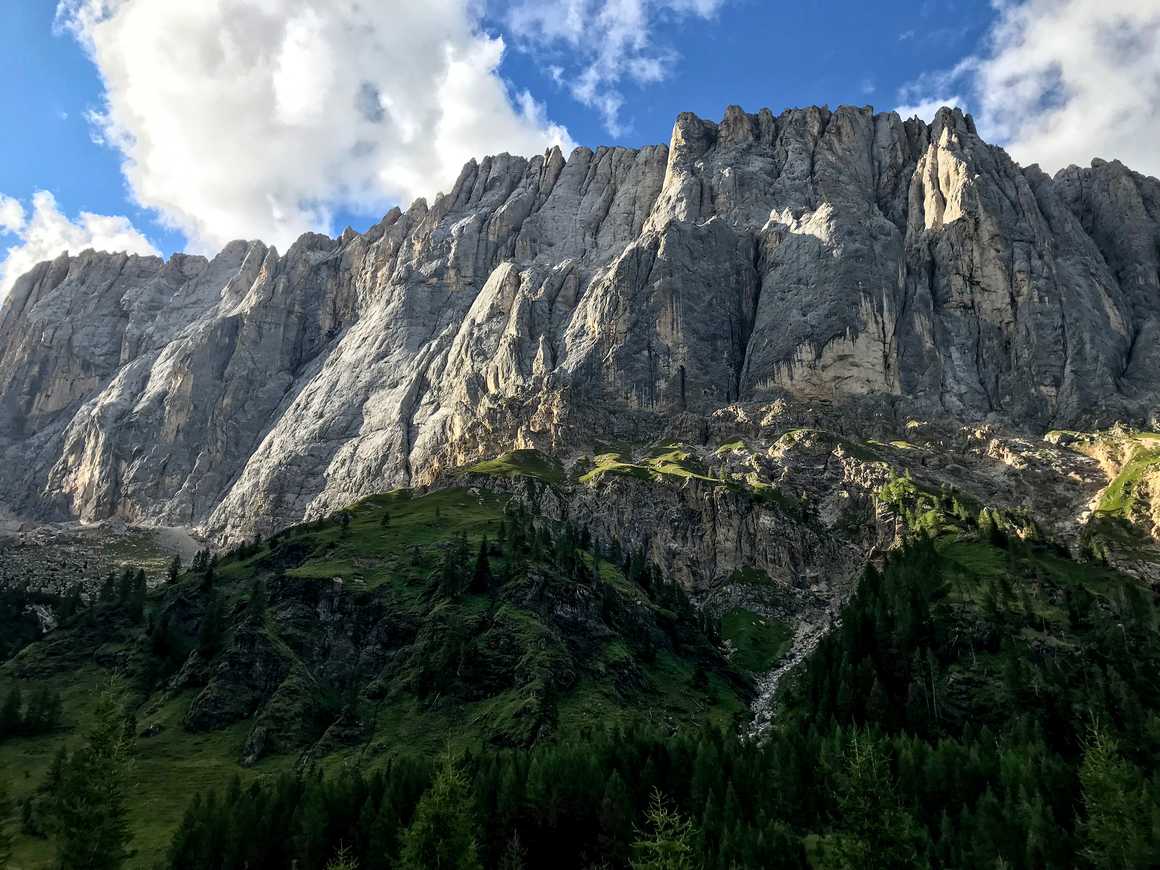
(843, 257)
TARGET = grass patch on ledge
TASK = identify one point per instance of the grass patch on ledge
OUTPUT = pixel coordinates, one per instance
(522, 463)
(1119, 498)
(668, 460)
(758, 641)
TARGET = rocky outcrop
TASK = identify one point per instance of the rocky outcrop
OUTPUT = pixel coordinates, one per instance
(842, 258)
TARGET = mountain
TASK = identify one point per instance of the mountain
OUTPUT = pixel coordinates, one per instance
(853, 265)
(786, 496)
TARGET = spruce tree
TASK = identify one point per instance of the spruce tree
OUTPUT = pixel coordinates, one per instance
(125, 585)
(207, 579)
(668, 843)
(137, 592)
(108, 591)
(343, 859)
(515, 856)
(257, 602)
(212, 628)
(88, 804)
(174, 569)
(5, 835)
(1114, 804)
(442, 833)
(71, 604)
(481, 576)
(11, 714)
(615, 816)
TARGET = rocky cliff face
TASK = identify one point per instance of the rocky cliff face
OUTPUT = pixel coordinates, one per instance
(845, 259)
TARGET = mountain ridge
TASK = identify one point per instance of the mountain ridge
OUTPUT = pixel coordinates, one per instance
(839, 261)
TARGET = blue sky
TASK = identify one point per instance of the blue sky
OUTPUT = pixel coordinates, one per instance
(157, 127)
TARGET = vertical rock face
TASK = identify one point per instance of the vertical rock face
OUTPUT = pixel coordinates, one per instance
(844, 256)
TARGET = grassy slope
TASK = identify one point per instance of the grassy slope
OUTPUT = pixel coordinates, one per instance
(1027, 581)
(759, 642)
(394, 563)
(529, 463)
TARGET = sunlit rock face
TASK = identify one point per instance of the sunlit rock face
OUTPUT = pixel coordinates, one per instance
(838, 257)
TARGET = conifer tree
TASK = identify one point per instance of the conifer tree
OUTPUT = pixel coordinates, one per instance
(212, 628)
(207, 579)
(125, 585)
(137, 592)
(481, 576)
(442, 832)
(343, 859)
(1114, 803)
(174, 569)
(108, 590)
(615, 815)
(515, 856)
(257, 602)
(12, 713)
(5, 835)
(668, 843)
(72, 604)
(43, 713)
(88, 803)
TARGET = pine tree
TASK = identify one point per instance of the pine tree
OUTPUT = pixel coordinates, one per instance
(344, 521)
(1114, 803)
(878, 831)
(108, 591)
(442, 833)
(385, 519)
(5, 836)
(43, 713)
(669, 842)
(207, 579)
(257, 603)
(515, 856)
(615, 816)
(125, 585)
(88, 804)
(481, 576)
(200, 560)
(212, 628)
(174, 569)
(71, 604)
(12, 714)
(137, 593)
(343, 859)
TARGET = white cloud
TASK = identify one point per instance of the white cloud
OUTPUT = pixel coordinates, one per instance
(261, 118)
(927, 109)
(11, 214)
(1062, 81)
(608, 42)
(46, 233)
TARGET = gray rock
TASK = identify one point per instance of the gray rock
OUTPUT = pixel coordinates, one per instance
(843, 257)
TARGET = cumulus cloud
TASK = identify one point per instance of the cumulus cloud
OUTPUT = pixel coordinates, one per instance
(607, 42)
(1062, 81)
(261, 118)
(11, 214)
(46, 233)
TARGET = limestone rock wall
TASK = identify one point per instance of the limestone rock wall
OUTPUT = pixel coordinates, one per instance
(828, 256)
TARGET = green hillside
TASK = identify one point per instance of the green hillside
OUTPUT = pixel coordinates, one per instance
(409, 624)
